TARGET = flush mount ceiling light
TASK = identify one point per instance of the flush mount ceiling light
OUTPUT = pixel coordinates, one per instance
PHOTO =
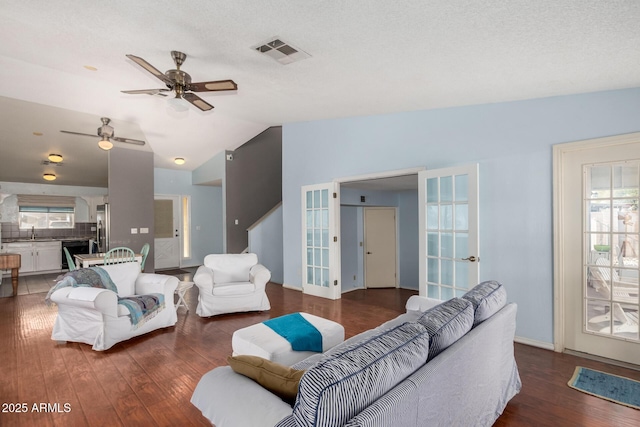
(55, 158)
(179, 161)
(90, 67)
(105, 144)
(37, 133)
(49, 176)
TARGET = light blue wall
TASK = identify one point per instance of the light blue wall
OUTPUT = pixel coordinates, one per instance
(350, 249)
(408, 240)
(206, 211)
(213, 170)
(512, 143)
(265, 240)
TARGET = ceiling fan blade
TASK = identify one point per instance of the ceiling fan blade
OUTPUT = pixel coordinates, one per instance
(214, 86)
(197, 101)
(128, 140)
(80, 133)
(150, 68)
(147, 91)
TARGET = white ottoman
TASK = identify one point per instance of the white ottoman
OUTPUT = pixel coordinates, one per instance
(261, 340)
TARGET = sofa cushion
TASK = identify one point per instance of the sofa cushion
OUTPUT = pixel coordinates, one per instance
(235, 288)
(124, 276)
(349, 379)
(487, 299)
(230, 267)
(279, 379)
(447, 323)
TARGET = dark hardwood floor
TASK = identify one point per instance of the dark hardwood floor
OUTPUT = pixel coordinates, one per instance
(148, 381)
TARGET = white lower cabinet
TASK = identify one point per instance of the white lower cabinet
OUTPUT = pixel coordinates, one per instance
(36, 256)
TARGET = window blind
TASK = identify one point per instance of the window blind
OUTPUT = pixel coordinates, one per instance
(40, 201)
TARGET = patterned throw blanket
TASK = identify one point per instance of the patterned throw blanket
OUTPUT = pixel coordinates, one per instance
(301, 334)
(141, 307)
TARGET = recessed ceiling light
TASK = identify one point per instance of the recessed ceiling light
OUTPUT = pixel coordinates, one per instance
(179, 161)
(49, 176)
(90, 68)
(55, 158)
(37, 133)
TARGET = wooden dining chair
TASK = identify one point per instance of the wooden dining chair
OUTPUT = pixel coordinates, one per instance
(119, 255)
(70, 261)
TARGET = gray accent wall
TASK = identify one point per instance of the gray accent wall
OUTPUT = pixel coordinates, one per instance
(252, 185)
(131, 192)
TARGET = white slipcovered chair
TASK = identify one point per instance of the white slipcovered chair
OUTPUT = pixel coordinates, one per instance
(231, 283)
(93, 315)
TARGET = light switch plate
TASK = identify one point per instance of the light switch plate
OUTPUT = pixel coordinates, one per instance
(134, 231)
(144, 230)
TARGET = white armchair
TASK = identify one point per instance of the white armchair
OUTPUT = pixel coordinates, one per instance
(231, 283)
(93, 315)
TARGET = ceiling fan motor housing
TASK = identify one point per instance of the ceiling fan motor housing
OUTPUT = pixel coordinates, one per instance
(105, 130)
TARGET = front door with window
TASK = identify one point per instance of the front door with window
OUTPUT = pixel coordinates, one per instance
(448, 216)
(167, 232)
(598, 230)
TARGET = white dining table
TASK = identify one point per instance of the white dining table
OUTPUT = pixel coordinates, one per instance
(88, 260)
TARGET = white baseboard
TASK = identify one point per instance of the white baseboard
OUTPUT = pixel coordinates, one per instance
(534, 343)
(293, 288)
(353, 289)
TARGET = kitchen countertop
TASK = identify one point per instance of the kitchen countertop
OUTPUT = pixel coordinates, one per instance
(47, 239)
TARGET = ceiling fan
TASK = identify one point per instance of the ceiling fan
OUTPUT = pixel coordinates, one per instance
(106, 133)
(179, 82)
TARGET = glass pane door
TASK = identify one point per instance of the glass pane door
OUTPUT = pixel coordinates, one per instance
(449, 231)
(611, 237)
(320, 250)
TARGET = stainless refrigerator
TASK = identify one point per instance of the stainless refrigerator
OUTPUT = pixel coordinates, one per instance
(102, 228)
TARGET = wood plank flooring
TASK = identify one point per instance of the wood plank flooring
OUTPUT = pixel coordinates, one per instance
(148, 381)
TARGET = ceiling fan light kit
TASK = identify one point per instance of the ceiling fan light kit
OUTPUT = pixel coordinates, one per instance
(55, 158)
(49, 176)
(105, 144)
(180, 83)
(106, 134)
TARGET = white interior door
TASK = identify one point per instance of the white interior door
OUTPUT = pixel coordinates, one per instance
(167, 232)
(320, 247)
(448, 216)
(597, 193)
(380, 247)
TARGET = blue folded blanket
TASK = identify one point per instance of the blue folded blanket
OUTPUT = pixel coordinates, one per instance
(293, 327)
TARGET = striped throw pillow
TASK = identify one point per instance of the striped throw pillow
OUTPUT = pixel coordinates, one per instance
(487, 299)
(447, 323)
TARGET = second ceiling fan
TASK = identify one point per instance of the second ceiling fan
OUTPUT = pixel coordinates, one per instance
(179, 82)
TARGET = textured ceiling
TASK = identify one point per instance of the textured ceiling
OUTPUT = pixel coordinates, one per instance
(367, 57)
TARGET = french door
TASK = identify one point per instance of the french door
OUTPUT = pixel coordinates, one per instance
(448, 221)
(321, 249)
(597, 195)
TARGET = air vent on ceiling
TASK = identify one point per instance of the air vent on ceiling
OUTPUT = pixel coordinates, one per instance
(49, 163)
(281, 51)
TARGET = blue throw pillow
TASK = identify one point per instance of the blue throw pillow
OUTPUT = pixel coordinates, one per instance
(346, 381)
(487, 299)
(447, 323)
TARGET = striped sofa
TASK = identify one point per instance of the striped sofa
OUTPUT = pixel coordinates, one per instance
(439, 363)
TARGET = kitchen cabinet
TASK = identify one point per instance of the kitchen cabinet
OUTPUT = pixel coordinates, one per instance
(36, 256)
(93, 202)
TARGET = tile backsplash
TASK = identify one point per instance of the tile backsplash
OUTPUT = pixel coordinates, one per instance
(10, 231)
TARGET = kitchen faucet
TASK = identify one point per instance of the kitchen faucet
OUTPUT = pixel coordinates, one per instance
(33, 232)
